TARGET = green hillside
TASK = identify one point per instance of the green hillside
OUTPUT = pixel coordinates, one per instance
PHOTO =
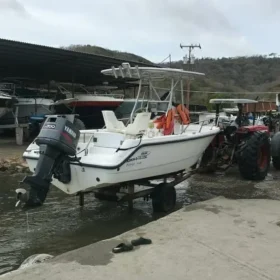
(238, 74)
(225, 77)
(106, 52)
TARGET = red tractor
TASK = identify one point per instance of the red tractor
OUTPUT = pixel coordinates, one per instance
(240, 142)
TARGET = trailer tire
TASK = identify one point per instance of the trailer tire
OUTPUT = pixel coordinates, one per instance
(254, 156)
(276, 162)
(79, 124)
(164, 198)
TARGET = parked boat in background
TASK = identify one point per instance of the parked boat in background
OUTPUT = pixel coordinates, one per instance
(6, 103)
(29, 104)
(88, 105)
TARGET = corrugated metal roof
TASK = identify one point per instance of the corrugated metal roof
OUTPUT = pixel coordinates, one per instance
(45, 63)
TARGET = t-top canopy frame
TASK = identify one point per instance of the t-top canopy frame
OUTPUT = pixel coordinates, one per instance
(148, 73)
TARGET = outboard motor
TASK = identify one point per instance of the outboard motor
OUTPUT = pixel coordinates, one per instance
(57, 140)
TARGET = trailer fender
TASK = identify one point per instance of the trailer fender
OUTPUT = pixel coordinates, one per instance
(275, 145)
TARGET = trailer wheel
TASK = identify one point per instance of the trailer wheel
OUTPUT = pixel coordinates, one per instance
(164, 198)
(254, 157)
(276, 162)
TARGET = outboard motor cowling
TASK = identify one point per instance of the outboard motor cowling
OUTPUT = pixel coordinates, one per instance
(57, 140)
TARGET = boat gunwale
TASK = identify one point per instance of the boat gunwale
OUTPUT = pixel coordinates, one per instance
(117, 166)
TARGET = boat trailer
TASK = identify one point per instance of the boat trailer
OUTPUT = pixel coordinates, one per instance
(162, 193)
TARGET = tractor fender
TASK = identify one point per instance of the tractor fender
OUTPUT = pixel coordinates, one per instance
(275, 145)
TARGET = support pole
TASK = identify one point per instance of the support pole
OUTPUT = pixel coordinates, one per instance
(19, 135)
(136, 101)
(130, 199)
(188, 94)
(73, 81)
(81, 199)
(217, 114)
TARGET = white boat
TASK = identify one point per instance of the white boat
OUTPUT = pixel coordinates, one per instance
(117, 154)
(36, 106)
(27, 106)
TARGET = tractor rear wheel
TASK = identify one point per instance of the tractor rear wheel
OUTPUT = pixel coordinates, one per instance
(254, 156)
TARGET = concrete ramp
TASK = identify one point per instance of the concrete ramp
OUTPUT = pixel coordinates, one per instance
(217, 239)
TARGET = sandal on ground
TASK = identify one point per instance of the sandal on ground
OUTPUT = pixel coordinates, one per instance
(141, 241)
(122, 247)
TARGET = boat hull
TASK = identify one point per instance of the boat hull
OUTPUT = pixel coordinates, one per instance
(149, 160)
(28, 107)
(6, 102)
(4, 111)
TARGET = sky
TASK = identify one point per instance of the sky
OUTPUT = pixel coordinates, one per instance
(150, 28)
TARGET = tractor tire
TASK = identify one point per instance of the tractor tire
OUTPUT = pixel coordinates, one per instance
(276, 162)
(79, 124)
(254, 157)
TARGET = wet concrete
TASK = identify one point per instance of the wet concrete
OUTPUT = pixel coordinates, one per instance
(230, 185)
(219, 239)
(61, 224)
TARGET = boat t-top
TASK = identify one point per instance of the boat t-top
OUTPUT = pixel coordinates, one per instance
(118, 155)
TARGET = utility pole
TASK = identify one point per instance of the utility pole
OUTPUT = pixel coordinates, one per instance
(188, 60)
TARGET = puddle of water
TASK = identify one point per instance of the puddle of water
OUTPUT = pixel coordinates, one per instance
(61, 224)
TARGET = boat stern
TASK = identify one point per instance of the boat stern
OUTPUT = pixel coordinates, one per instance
(47, 157)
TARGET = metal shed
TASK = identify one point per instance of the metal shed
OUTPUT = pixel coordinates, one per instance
(42, 63)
